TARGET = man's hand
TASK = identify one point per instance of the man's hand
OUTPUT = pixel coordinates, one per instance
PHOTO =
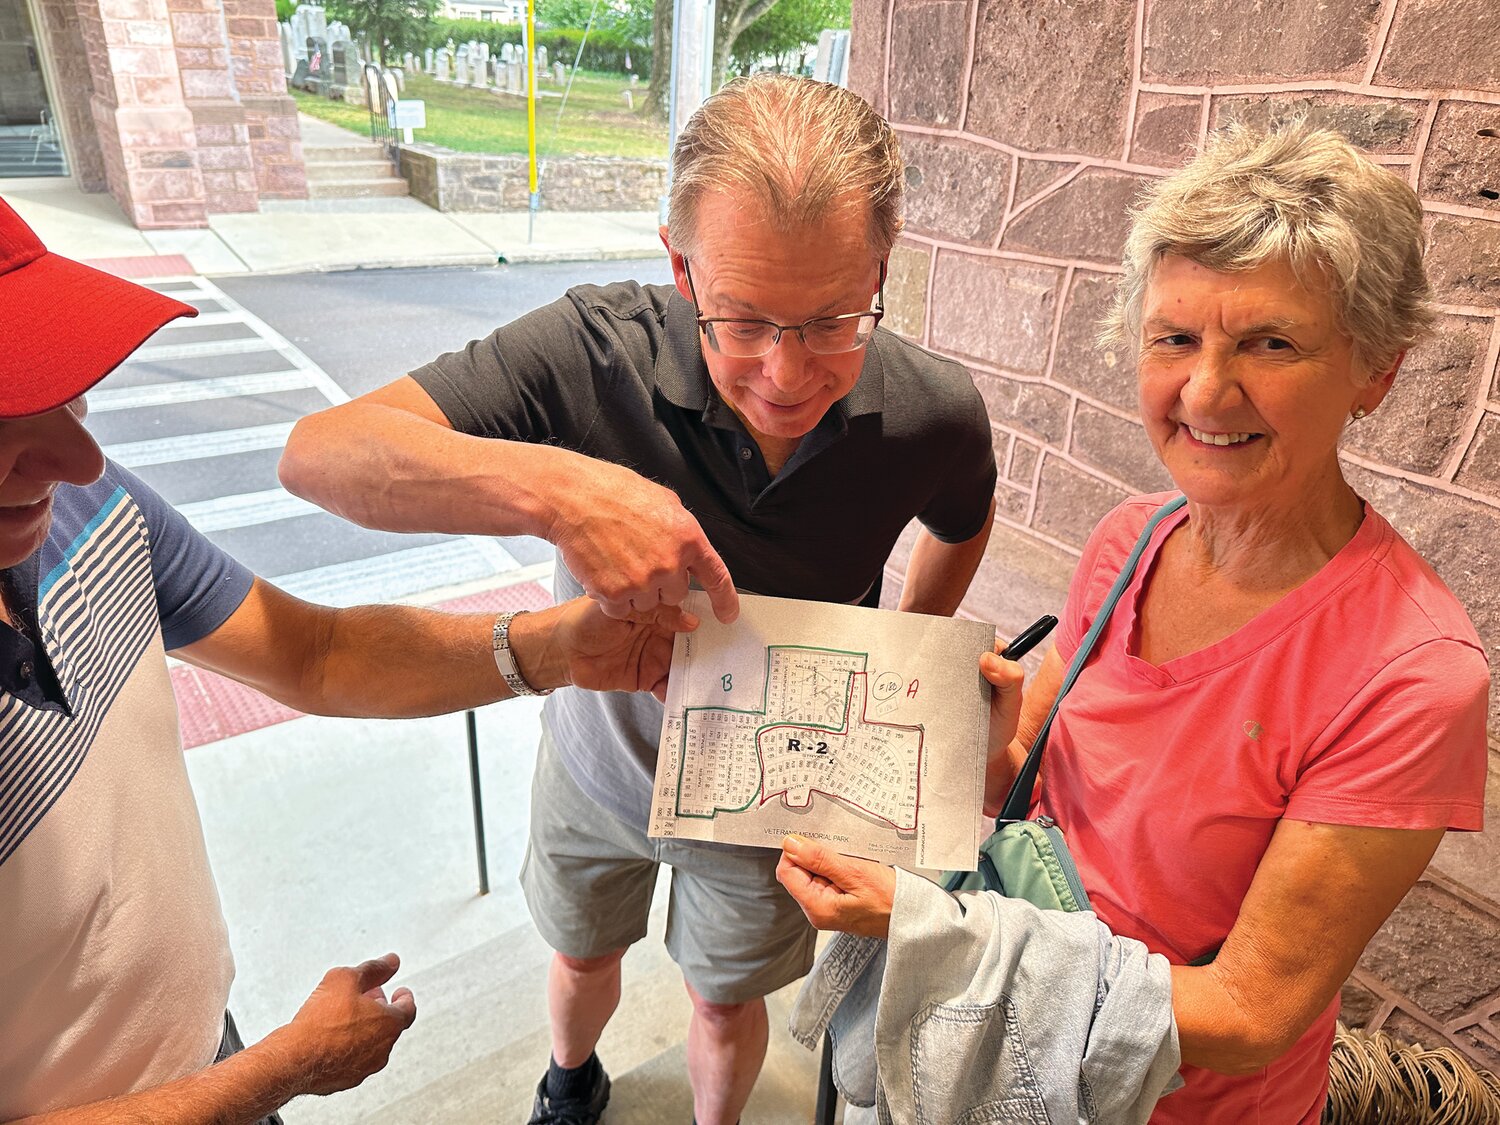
(576, 643)
(1005, 678)
(344, 1031)
(634, 547)
(835, 891)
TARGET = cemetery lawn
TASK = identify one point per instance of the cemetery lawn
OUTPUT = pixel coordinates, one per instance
(596, 122)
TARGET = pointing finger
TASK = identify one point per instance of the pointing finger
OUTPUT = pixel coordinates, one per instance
(713, 576)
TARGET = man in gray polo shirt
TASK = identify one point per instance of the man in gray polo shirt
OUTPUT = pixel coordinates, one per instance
(746, 428)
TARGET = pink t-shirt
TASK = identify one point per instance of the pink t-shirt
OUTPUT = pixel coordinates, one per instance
(1359, 699)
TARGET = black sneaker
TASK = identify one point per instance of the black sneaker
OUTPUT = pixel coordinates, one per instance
(585, 1110)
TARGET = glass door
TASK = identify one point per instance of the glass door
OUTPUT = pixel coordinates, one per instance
(30, 141)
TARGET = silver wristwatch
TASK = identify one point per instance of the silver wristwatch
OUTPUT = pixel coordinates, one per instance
(505, 659)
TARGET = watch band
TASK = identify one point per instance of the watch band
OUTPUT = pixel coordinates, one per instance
(505, 657)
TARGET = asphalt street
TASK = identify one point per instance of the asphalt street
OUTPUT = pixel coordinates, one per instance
(367, 327)
(202, 410)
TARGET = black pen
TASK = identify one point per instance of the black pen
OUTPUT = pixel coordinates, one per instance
(1032, 636)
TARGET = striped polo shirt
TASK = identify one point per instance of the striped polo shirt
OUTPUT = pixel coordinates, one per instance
(114, 959)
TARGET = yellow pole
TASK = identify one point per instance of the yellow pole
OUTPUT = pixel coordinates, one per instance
(534, 203)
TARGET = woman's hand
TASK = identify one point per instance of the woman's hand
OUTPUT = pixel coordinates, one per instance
(835, 891)
(1005, 678)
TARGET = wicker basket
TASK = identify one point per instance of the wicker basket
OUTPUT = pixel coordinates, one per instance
(1377, 1080)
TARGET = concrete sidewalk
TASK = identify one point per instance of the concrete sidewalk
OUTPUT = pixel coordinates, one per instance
(296, 236)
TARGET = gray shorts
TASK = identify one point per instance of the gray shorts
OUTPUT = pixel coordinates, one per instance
(589, 877)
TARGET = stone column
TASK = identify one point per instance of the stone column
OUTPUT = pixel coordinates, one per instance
(270, 112)
(208, 86)
(145, 129)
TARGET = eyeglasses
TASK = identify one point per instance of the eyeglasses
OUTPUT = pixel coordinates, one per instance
(822, 335)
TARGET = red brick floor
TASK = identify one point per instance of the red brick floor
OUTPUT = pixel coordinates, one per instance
(147, 265)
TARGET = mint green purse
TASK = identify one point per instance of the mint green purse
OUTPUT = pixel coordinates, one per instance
(1028, 859)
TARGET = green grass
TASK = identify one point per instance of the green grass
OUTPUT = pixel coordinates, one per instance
(595, 123)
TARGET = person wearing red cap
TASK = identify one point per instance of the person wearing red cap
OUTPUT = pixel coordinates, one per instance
(114, 958)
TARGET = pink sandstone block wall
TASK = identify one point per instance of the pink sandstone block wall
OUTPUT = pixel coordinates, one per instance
(1027, 129)
(178, 107)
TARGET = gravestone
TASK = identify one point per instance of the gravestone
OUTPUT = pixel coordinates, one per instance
(371, 88)
(559, 73)
(310, 21)
(479, 67)
(303, 26)
(541, 60)
(442, 73)
(461, 66)
(288, 56)
(344, 71)
(507, 53)
(428, 64)
(316, 76)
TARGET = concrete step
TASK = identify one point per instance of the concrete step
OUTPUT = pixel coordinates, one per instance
(327, 153)
(357, 189)
(371, 168)
(481, 1042)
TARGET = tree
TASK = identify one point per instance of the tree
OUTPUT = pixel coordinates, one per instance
(746, 30)
(660, 92)
(398, 24)
(787, 29)
(734, 18)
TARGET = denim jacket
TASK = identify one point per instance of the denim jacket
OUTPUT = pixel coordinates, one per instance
(980, 1008)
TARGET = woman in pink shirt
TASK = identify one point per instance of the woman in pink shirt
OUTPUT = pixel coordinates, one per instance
(1287, 708)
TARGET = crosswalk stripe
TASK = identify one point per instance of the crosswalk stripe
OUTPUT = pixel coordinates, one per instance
(294, 355)
(393, 576)
(197, 390)
(226, 316)
(390, 577)
(246, 509)
(238, 346)
(191, 447)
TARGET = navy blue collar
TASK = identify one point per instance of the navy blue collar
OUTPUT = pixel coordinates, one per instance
(26, 670)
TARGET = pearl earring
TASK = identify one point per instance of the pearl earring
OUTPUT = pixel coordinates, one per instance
(1359, 412)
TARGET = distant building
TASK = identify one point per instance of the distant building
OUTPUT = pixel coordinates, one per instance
(491, 11)
(177, 108)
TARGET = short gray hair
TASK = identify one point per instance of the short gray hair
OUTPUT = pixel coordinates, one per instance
(1301, 195)
(800, 148)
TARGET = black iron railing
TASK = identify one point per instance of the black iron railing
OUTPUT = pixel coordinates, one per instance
(381, 93)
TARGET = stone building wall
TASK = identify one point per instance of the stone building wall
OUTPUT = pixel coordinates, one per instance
(446, 180)
(1027, 130)
(177, 107)
(209, 91)
(144, 127)
(270, 112)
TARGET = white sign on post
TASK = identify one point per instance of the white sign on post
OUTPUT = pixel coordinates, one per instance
(407, 114)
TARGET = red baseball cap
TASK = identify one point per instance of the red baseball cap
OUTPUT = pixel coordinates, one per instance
(63, 325)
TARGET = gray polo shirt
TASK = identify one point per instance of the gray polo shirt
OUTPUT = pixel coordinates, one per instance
(615, 372)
